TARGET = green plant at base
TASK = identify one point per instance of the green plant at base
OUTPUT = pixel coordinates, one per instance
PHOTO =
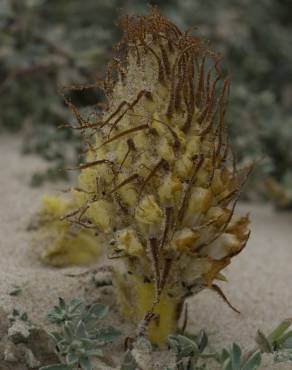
(278, 342)
(191, 353)
(233, 359)
(79, 339)
(63, 312)
(190, 350)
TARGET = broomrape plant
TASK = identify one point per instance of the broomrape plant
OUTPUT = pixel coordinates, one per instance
(160, 184)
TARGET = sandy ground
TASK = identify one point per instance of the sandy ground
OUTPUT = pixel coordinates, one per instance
(259, 279)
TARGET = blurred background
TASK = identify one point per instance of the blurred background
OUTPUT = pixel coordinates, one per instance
(47, 44)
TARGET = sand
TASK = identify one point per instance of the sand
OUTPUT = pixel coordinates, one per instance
(259, 278)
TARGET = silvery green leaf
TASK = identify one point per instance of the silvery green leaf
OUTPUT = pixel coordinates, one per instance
(81, 330)
(85, 363)
(227, 365)
(173, 343)
(183, 346)
(72, 358)
(263, 342)
(58, 310)
(100, 311)
(76, 345)
(107, 335)
(74, 305)
(235, 356)
(55, 336)
(202, 340)
(286, 340)
(95, 353)
(87, 342)
(63, 342)
(253, 362)
(57, 315)
(55, 312)
(68, 331)
(129, 363)
(224, 355)
(280, 330)
(90, 323)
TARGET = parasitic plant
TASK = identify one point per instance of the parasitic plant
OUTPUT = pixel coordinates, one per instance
(160, 183)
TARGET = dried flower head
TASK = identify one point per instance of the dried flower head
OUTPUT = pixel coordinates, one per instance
(160, 182)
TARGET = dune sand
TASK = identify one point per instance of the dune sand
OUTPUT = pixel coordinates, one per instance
(259, 278)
